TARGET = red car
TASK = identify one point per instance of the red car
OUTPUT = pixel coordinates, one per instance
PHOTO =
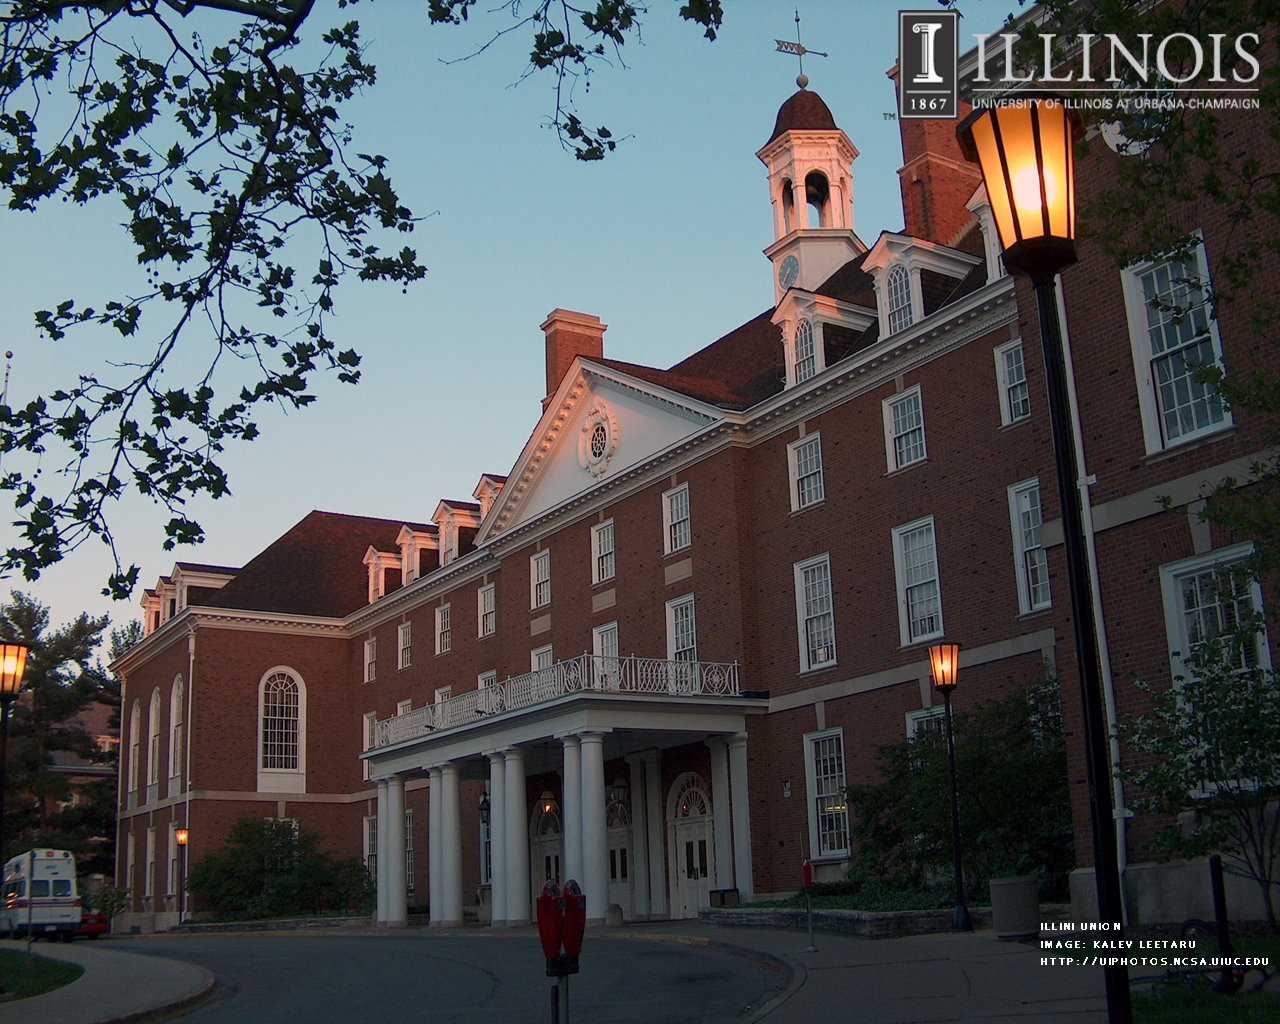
(92, 924)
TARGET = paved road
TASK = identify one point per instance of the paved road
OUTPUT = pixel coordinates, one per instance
(472, 977)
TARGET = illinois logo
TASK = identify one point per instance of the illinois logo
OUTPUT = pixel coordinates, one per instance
(928, 82)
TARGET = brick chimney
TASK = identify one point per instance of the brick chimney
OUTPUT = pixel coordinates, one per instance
(570, 334)
(936, 179)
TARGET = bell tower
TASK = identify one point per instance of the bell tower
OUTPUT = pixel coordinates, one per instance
(811, 188)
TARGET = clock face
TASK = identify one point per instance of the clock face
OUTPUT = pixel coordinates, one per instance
(788, 272)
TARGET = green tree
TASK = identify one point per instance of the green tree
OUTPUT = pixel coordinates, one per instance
(270, 868)
(61, 679)
(1015, 809)
(246, 206)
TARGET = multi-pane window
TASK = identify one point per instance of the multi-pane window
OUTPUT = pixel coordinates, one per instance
(602, 565)
(682, 632)
(403, 707)
(540, 579)
(926, 720)
(280, 723)
(916, 567)
(540, 658)
(149, 879)
(404, 643)
(898, 289)
(904, 428)
(1030, 560)
(371, 848)
(675, 519)
(369, 739)
(1011, 377)
(814, 620)
(804, 464)
(444, 631)
(806, 361)
(153, 746)
(135, 751)
(171, 876)
(486, 679)
(604, 645)
(408, 849)
(1204, 599)
(1172, 334)
(828, 810)
(175, 737)
(486, 610)
(370, 660)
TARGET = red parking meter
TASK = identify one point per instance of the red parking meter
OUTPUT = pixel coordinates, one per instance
(575, 918)
(808, 876)
(551, 922)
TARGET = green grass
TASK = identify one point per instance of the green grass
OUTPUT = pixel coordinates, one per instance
(26, 975)
(1199, 1004)
(872, 898)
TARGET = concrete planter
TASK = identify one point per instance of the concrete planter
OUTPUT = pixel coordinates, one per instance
(1015, 907)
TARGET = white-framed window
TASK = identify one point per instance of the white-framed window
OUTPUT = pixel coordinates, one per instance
(815, 622)
(1202, 599)
(1011, 379)
(486, 610)
(175, 736)
(898, 288)
(916, 568)
(486, 850)
(604, 645)
(676, 531)
(371, 847)
(926, 720)
(540, 657)
(1031, 564)
(403, 707)
(804, 467)
(171, 875)
(135, 751)
(602, 561)
(805, 358)
(904, 428)
(828, 809)
(149, 865)
(540, 578)
(368, 737)
(444, 630)
(404, 645)
(486, 679)
(370, 659)
(153, 747)
(282, 732)
(130, 860)
(408, 849)
(682, 630)
(1172, 332)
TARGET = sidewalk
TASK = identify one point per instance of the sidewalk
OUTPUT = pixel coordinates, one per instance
(116, 986)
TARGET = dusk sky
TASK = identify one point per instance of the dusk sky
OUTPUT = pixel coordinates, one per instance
(662, 240)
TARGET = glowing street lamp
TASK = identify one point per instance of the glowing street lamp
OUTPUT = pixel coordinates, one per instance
(13, 663)
(180, 837)
(1024, 150)
(944, 661)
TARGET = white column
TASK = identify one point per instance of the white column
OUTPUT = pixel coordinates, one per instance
(381, 865)
(741, 816)
(435, 848)
(397, 876)
(595, 837)
(517, 839)
(657, 831)
(571, 833)
(451, 840)
(639, 841)
(722, 862)
(497, 841)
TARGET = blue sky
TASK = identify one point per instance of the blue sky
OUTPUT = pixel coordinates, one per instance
(662, 240)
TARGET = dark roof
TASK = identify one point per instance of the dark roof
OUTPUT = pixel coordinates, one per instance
(713, 392)
(497, 478)
(462, 506)
(222, 570)
(421, 527)
(851, 284)
(314, 569)
(804, 111)
(747, 360)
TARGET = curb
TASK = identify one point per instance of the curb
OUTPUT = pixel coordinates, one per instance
(154, 1013)
(860, 923)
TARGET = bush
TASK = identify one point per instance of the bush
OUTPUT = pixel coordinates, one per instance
(269, 868)
(108, 899)
(1015, 810)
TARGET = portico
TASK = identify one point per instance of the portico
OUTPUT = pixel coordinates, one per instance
(611, 838)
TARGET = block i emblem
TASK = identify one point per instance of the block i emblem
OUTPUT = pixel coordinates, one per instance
(928, 79)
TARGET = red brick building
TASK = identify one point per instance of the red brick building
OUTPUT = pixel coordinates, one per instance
(653, 654)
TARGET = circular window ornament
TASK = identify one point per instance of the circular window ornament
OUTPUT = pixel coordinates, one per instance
(598, 440)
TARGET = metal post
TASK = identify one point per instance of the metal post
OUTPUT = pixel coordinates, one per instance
(4, 755)
(555, 1004)
(960, 922)
(564, 1000)
(1228, 983)
(1106, 872)
(808, 903)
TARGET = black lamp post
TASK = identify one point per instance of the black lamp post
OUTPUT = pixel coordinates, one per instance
(1024, 150)
(944, 660)
(484, 809)
(181, 835)
(13, 663)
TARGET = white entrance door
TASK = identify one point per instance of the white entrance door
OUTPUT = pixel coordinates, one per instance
(620, 870)
(546, 852)
(693, 852)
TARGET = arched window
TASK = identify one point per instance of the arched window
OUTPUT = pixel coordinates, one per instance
(135, 750)
(153, 747)
(898, 291)
(805, 360)
(818, 196)
(282, 732)
(175, 736)
(788, 208)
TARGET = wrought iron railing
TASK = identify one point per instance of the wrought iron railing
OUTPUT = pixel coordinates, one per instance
(587, 672)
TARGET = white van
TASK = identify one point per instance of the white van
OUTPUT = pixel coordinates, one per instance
(53, 907)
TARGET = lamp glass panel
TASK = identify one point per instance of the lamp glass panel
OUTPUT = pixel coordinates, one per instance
(1055, 150)
(13, 663)
(1017, 140)
(984, 140)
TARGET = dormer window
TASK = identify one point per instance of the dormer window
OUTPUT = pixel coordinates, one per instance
(448, 541)
(898, 289)
(806, 364)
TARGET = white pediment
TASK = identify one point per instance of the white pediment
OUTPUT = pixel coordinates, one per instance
(600, 424)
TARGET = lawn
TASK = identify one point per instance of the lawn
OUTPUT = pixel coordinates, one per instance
(25, 975)
(1194, 1002)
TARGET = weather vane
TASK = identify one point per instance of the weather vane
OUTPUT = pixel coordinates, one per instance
(798, 49)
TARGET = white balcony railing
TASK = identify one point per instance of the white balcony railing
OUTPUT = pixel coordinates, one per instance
(586, 672)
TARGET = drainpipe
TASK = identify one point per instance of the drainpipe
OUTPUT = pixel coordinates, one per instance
(1122, 814)
(186, 853)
